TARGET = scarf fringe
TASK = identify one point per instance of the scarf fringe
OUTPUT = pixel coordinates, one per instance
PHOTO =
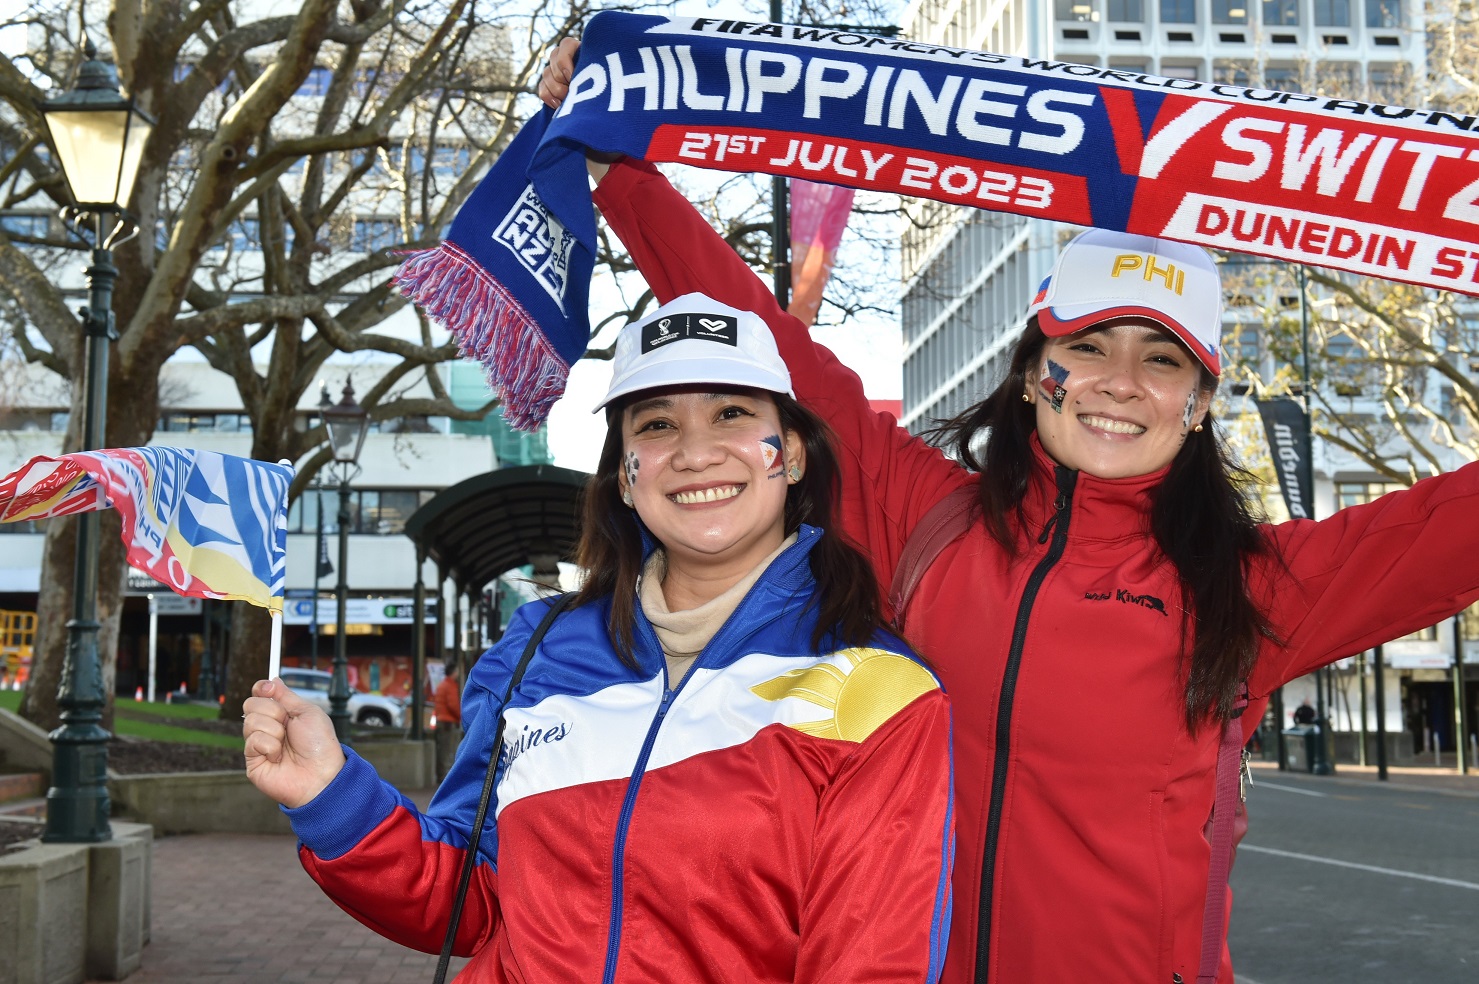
(490, 326)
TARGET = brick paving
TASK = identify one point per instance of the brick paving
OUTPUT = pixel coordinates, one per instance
(239, 909)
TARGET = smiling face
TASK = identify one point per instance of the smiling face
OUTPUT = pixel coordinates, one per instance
(707, 473)
(1116, 400)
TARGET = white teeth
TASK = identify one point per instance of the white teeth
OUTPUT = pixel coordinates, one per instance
(1113, 426)
(705, 495)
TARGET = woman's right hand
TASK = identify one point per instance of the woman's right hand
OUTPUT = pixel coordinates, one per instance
(292, 752)
(554, 82)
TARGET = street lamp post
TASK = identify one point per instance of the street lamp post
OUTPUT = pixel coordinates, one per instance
(99, 136)
(346, 423)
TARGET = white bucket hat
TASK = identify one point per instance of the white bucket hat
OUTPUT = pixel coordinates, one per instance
(1101, 275)
(695, 340)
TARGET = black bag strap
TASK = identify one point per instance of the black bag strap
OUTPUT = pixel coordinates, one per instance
(555, 608)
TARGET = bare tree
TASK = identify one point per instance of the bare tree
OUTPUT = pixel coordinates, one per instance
(1391, 366)
(292, 156)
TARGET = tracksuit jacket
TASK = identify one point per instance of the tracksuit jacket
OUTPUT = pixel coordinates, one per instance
(1081, 795)
(779, 815)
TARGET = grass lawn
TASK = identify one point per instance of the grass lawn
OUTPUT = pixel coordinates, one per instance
(142, 720)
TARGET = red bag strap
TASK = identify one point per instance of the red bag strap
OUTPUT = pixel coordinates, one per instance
(1224, 812)
(947, 519)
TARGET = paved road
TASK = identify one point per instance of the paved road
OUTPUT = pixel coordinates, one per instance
(1347, 881)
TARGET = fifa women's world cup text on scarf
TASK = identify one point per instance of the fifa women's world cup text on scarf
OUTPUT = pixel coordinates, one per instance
(1081, 853)
(1376, 190)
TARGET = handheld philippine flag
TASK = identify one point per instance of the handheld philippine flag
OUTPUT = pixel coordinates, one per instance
(208, 525)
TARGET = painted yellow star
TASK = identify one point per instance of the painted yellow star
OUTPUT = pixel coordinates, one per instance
(874, 686)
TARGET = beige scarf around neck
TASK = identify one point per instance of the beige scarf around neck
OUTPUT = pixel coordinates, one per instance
(684, 635)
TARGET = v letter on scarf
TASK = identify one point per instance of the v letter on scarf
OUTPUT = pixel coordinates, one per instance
(1372, 189)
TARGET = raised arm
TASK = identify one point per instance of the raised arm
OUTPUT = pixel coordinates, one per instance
(1371, 573)
(889, 478)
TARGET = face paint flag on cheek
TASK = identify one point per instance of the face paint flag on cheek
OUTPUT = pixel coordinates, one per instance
(770, 452)
(1190, 410)
(631, 466)
(1051, 384)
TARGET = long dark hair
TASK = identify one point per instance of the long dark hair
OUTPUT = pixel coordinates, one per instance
(610, 549)
(1201, 519)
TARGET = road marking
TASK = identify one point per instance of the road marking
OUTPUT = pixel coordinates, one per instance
(1289, 789)
(1452, 882)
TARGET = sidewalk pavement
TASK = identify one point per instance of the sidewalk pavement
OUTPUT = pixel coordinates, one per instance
(1404, 777)
(239, 909)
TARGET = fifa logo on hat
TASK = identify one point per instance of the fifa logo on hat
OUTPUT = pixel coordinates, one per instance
(1172, 277)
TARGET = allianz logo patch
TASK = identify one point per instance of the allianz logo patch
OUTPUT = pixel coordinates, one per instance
(712, 327)
(539, 242)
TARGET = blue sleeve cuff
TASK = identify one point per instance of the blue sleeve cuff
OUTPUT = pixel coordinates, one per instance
(353, 804)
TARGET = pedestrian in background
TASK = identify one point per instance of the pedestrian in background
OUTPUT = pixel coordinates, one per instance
(446, 704)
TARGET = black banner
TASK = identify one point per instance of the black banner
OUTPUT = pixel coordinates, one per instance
(1289, 444)
(325, 565)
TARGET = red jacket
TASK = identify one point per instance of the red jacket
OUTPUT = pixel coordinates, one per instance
(1063, 664)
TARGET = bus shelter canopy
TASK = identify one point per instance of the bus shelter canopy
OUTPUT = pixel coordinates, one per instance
(491, 523)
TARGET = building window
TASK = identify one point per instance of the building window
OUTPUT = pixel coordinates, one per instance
(1384, 13)
(1281, 13)
(1332, 13)
(1229, 11)
(372, 512)
(1076, 10)
(1131, 11)
(1359, 493)
(1178, 11)
(1244, 345)
(35, 226)
(317, 82)
(177, 422)
(373, 235)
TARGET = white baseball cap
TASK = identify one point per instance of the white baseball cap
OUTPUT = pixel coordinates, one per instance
(693, 340)
(1101, 275)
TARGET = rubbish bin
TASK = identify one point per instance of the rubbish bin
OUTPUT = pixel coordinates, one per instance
(1299, 747)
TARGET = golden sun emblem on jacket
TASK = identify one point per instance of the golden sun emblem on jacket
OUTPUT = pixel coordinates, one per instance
(872, 686)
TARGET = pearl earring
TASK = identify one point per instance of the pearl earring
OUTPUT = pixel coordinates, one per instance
(1198, 428)
(794, 474)
(626, 497)
(1026, 398)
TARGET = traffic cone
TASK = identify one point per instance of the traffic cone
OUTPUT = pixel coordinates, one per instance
(138, 693)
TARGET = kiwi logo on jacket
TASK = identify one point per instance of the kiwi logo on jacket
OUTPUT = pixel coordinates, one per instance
(1127, 597)
(870, 688)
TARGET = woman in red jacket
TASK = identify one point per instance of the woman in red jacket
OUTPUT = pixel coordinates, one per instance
(1111, 598)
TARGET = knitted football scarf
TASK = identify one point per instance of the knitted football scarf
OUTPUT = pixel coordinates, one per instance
(1367, 188)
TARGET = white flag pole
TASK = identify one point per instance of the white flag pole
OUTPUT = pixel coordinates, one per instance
(274, 655)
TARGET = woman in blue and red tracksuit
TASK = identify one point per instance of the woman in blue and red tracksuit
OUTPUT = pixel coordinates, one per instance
(1097, 622)
(717, 767)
